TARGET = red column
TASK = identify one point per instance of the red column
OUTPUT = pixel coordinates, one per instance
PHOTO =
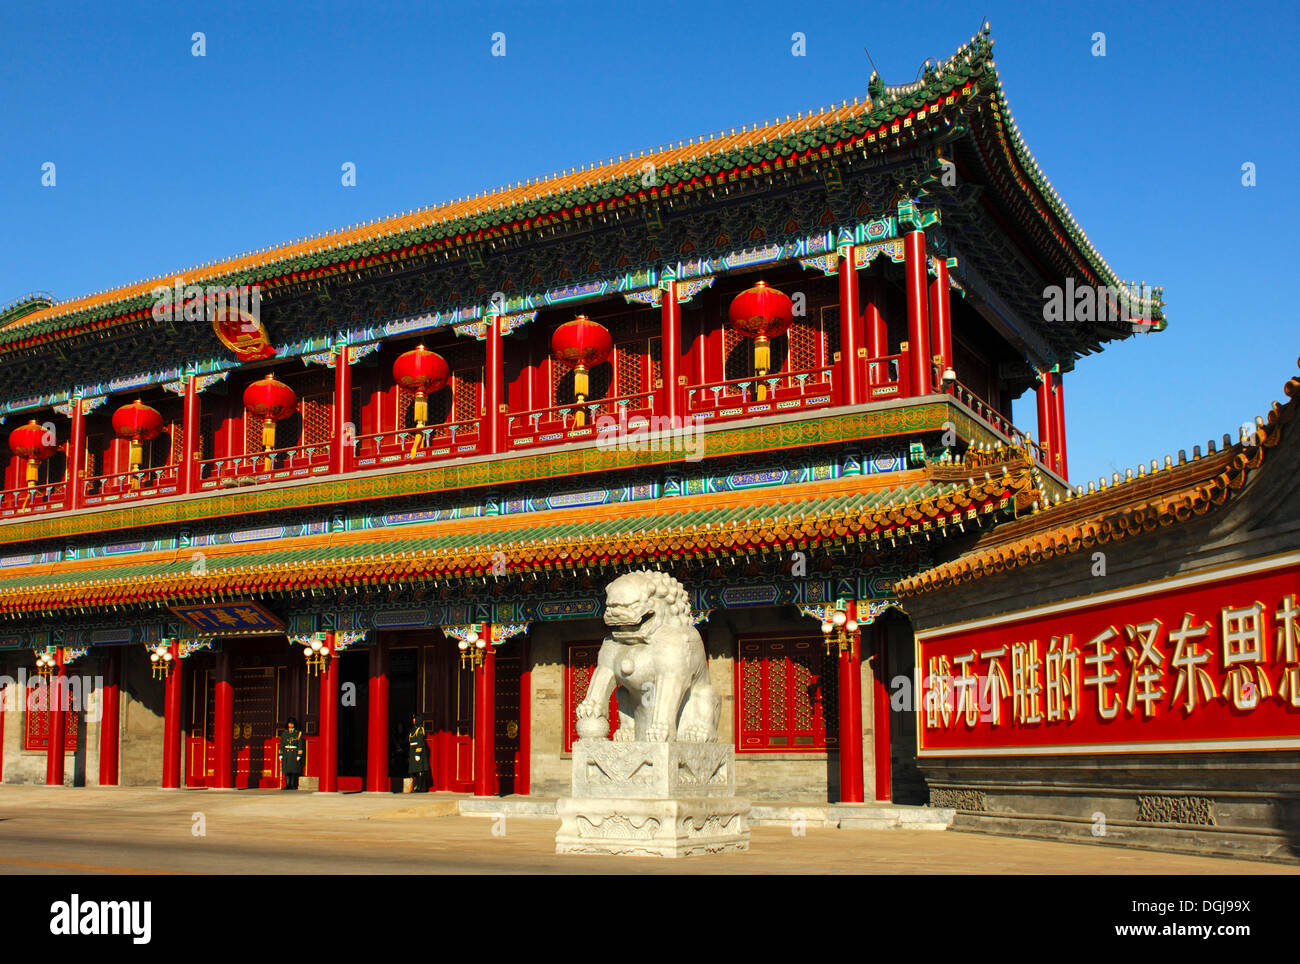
(876, 332)
(1058, 425)
(109, 718)
(76, 455)
(55, 717)
(850, 700)
(494, 377)
(341, 451)
(485, 724)
(851, 392)
(880, 708)
(941, 317)
(191, 428)
(918, 323)
(329, 720)
(377, 723)
(670, 350)
(1046, 436)
(223, 723)
(171, 775)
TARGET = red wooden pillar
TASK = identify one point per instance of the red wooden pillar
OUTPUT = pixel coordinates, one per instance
(171, 774)
(192, 448)
(329, 720)
(850, 705)
(223, 723)
(1046, 435)
(941, 317)
(485, 724)
(876, 332)
(56, 711)
(377, 722)
(670, 351)
(880, 713)
(852, 390)
(110, 718)
(494, 378)
(918, 323)
(1058, 425)
(341, 451)
(76, 461)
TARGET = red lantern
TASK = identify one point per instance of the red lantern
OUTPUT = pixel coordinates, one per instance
(29, 442)
(138, 423)
(423, 372)
(761, 313)
(270, 400)
(582, 343)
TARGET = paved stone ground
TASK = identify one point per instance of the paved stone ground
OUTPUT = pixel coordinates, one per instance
(56, 830)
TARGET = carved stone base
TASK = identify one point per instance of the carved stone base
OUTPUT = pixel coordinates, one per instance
(640, 799)
(652, 828)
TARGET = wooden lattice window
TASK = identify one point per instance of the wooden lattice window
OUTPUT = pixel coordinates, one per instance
(830, 321)
(737, 355)
(37, 729)
(630, 364)
(786, 692)
(579, 665)
(316, 410)
(441, 405)
(467, 395)
(598, 379)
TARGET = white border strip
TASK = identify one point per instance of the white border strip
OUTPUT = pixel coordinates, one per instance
(1264, 743)
(1132, 592)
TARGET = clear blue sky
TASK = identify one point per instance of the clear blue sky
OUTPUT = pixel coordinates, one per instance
(165, 160)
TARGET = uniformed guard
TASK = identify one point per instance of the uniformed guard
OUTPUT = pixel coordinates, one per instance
(293, 750)
(417, 757)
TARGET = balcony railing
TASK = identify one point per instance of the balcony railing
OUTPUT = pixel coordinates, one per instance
(550, 426)
(784, 392)
(124, 486)
(887, 378)
(998, 422)
(49, 497)
(447, 441)
(285, 463)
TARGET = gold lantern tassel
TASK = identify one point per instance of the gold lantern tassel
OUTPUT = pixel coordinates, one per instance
(762, 362)
(268, 443)
(135, 456)
(33, 471)
(581, 386)
(421, 419)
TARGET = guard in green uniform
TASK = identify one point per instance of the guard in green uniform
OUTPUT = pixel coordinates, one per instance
(417, 755)
(293, 750)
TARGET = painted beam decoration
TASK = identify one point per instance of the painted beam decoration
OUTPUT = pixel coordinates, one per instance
(229, 618)
(1206, 662)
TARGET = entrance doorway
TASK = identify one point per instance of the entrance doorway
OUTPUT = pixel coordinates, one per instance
(426, 677)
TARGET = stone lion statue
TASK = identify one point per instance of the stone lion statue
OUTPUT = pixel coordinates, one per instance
(654, 658)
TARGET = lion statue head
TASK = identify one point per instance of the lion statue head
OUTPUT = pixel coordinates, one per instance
(639, 604)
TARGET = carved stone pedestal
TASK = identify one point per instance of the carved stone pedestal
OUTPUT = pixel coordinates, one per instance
(652, 800)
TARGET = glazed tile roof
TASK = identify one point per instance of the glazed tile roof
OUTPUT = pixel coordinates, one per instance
(858, 509)
(1164, 496)
(698, 163)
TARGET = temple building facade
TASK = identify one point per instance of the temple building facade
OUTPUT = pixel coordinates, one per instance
(390, 470)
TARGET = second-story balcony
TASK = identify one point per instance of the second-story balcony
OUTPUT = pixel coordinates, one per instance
(400, 404)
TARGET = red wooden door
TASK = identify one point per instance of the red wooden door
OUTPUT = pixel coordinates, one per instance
(257, 697)
(200, 745)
